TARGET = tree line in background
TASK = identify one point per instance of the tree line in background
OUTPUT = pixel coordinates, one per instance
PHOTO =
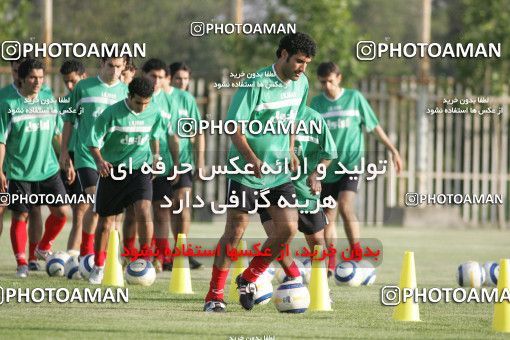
(336, 25)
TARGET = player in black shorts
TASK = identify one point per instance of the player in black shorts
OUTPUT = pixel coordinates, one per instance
(72, 72)
(130, 132)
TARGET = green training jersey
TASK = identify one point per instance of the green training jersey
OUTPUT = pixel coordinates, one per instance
(345, 117)
(164, 103)
(267, 99)
(121, 134)
(186, 107)
(27, 129)
(314, 146)
(89, 98)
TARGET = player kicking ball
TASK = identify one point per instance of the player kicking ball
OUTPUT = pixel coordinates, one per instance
(125, 130)
(278, 93)
(28, 124)
(346, 112)
(318, 148)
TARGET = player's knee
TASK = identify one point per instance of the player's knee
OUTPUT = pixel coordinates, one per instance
(20, 216)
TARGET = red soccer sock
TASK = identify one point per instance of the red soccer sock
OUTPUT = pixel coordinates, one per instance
(332, 262)
(217, 285)
(99, 258)
(19, 240)
(258, 265)
(162, 245)
(52, 228)
(31, 251)
(87, 243)
(146, 249)
(292, 270)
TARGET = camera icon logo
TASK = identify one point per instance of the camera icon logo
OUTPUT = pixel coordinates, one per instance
(390, 295)
(365, 50)
(5, 199)
(186, 127)
(11, 50)
(411, 199)
(197, 28)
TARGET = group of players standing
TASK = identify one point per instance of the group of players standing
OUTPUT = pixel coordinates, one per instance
(107, 122)
(69, 146)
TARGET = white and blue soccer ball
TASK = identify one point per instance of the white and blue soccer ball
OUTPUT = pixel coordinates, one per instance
(470, 274)
(368, 272)
(140, 272)
(269, 273)
(491, 273)
(56, 262)
(291, 297)
(264, 291)
(86, 266)
(72, 268)
(349, 274)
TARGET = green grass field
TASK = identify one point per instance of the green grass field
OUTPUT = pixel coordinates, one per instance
(154, 313)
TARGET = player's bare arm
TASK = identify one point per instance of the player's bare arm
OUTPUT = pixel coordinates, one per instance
(381, 135)
(103, 166)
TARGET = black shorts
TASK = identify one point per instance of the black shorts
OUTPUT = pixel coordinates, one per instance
(308, 224)
(87, 177)
(50, 186)
(251, 195)
(185, 181)
(161, 187)
(73, 188)
(344, 184)
(112, 196)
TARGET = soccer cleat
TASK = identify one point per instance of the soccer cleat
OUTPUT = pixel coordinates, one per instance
(168, 266)
(96, 276)
(42, 254)
(157, 265)
(215, 306)
(246, 292)
(22, 271)
(34, 266)
(194, 264)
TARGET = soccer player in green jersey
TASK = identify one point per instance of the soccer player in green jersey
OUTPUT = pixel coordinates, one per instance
(346, 112)
(90, 97)
(129, 133)
(276, 94)
(35, 227)
(315, 150)
(129, 72)
(72, 72)
(192, 151)
(28, 123)
(180, 74)
(155, 69)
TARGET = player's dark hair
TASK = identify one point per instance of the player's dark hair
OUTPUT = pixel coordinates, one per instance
(326, 68)
(27, 66)
(130, 67)
(141, 86)
(115, 55)
(297, 42)
(178, 66)
(154, 64)
(72, 65)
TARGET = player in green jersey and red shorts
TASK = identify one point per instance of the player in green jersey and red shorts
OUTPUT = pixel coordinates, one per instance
(90, 97)
(155, 69)
(125, 135)
(346, 112)
(277, 94)
(72, 72)
(314, 149)
(28, 123)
